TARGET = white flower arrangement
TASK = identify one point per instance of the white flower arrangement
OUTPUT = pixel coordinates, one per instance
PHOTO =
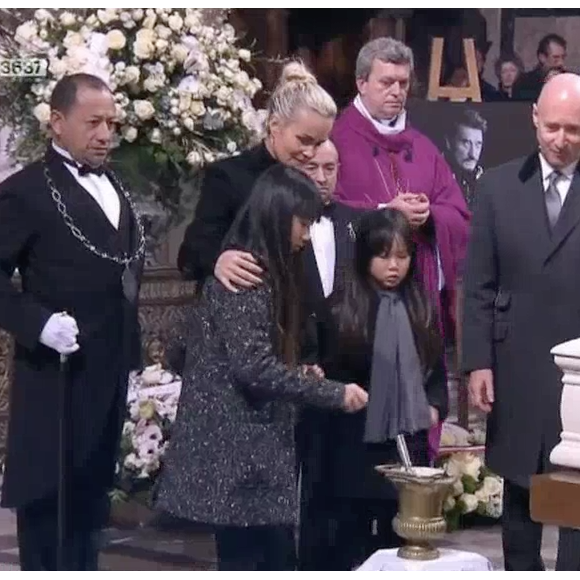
(476, 491)
(152, 400)
(453, 435)
(179, 80)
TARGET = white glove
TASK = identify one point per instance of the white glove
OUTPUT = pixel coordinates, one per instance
(60, 333)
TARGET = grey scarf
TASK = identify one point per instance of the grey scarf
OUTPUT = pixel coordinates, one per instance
(397, 402)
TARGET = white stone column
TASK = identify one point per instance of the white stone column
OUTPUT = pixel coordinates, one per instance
(567, 452)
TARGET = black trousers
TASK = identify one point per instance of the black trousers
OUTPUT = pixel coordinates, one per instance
(87, 509)
(37, 533)
(257, 548)
(521, 537)
(568, 551)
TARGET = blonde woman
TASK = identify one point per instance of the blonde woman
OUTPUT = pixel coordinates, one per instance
(300, 117)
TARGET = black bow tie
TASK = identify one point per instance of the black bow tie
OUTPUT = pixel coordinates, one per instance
(328, 210)
(83, 169)
(87, 170)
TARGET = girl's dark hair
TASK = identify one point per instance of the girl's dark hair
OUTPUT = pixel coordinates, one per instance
(263, 227)
(376, 232)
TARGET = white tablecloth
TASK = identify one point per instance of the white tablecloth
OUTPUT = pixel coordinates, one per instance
(450, 560)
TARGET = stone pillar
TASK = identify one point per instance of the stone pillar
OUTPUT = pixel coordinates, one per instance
(567, 452)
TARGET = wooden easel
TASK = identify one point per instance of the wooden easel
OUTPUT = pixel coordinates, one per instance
(436, 91)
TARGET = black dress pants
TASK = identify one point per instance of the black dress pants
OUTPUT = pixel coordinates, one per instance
(568, 551)
(256, 548)
(87, 511)
(521, 536)
(37, 533)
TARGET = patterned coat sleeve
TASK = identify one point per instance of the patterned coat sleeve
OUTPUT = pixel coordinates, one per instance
(244, 320)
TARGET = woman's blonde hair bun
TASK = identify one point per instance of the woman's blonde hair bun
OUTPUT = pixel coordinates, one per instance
(298, 88)
(296, 71)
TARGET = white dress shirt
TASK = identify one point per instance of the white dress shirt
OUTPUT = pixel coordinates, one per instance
(98, 186)
(324, 247)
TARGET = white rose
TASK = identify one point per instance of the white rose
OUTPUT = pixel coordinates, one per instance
(492, 486)
(175, 22)
(57, 67)
(161, 45)
(143, 109)
(72, 40)
(231, 147)
(149, 21)
(470, 502)
(453, 467)
(26, 33)
(177, 131)
(92, 21)
(244, 54)
(131, 74)
(179, 53)
(151, 84)
(194, 158)
(67, 19)
(188, 123)
(458, 488)
(473, 467)
(208, 157)
(137, 14)
(42, 113)
(155, 137)
(144, 47)
(192, 22)
(116, 39)
(108, 15)
(163, 32)
(42, 15)
(197, 108)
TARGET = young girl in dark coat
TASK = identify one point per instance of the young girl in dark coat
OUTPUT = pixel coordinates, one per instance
(380, 333)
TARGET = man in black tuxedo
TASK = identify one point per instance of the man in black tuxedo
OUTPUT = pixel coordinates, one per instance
(326, 261)
(71, 229)
(520, 300)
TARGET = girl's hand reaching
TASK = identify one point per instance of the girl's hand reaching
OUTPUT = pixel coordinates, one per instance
(355, 398)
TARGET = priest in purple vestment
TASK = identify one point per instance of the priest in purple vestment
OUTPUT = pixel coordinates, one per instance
(385, 161)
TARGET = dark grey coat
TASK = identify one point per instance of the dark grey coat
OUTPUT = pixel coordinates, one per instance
(522, 297)
(231, 457)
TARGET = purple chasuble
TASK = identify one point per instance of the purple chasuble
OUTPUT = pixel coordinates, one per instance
(374, 168)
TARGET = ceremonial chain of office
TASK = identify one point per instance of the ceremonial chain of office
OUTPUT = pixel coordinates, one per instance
(123, 259)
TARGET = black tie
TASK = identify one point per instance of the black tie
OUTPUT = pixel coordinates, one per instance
(87, 170)
(83, 169)
(328, 210)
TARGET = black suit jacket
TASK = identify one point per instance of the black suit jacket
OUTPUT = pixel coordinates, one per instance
(226, 186)
(59, 274)
(521, 298)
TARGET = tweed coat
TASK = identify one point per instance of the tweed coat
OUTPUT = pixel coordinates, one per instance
(231, 459)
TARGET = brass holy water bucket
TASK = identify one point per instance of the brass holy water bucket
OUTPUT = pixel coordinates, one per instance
(419, 521)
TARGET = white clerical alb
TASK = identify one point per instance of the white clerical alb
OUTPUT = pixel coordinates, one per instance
(324, 246)
(99, 187)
